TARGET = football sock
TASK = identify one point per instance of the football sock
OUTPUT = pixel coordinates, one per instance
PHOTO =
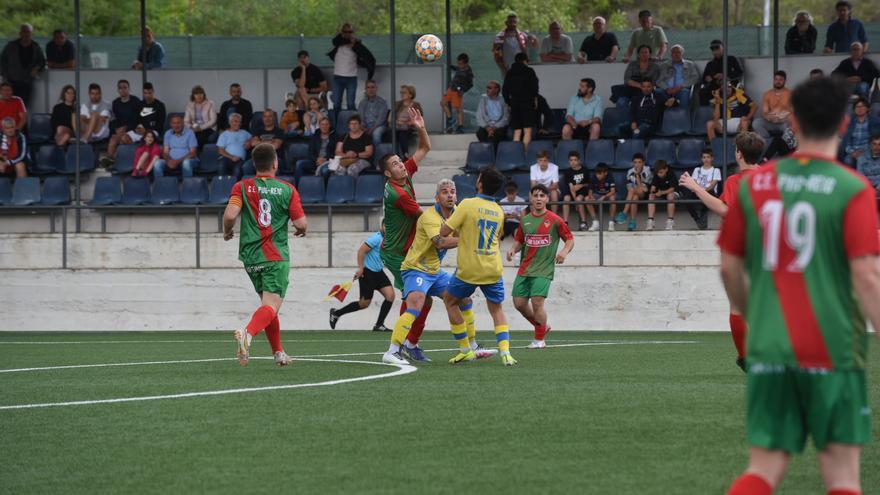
(260, 320)
(467, 311)
(418, 326)
(459, 331)
(502, 336)
(540, 331)
(738, 331)
(844, 491)
(408, 344)
(402, 327)
(348, 308)
(273, 333)
(750, 484)
(383, 313)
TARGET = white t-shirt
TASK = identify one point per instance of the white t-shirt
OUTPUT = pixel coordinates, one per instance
(564, 45)
(103, 109)
(545, 177)
(512, 212)
(345, 62)
(647, 176)
(703, 176)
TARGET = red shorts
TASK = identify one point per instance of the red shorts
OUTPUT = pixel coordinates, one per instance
(452, 97)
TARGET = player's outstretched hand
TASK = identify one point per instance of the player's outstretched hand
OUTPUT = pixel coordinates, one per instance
(687, 181)
(510, 254)
(416, 117)
(560, 259)
(228, 235)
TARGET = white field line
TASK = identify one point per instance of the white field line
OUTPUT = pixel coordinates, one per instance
(225, 341)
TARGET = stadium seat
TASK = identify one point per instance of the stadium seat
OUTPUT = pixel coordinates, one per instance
(689, 152)
(107, 192)
(194, 191)
(676, 122)
(510, 156)
(523, 183)
(50, 160)
(381, 150)
(563, 148)
(619, 178)
(611, 120)
(875, 109)
(479, 156)
(625, 151)
(311, 189)
(166, 191)
(209, 160)
(86, 159)
(287, 178)
(5, 191)
(661, 149)
(56, 191)
(124, 163)
(535, 147)
(465, 186)
(717, 151)
(599, 151)
(702, 115)
(340, 189)
(136, 190)
(342, 117)
(370, 189)
(39, 128)
(26, 191)
(221, 187)
(297, 151)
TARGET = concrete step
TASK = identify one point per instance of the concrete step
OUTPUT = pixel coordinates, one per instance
(450, 142)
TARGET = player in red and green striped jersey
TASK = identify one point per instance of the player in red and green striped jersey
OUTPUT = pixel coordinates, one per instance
(267, 204)
(537, 237)
(800, 257)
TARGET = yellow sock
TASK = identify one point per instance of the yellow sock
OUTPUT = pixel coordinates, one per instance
(459, 331)
(469, 320)
(502, 336)
(401, 328)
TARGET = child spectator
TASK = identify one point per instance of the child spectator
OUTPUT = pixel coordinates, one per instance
(602, 188)
(663, 186)
(145, 155)
(638, 180)
(708, 177)
(512, 213)
(290, 123)
(546, 173)
(462, 80)
(313, 116)
(578, 180)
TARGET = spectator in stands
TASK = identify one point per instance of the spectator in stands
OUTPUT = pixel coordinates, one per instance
(461, 82)
(642, 69)
(493, 115)
(270, 133)
(233, 146)
(713, 73)
(373, 110)
(650, 35)
(348, 53)
(126, 110)
(12, 106)
(577, 178)
(403, 127)
(520, 92)
(511, 42)
(63, 115)
(859, 70)
(677, 77)
(60, 51)
(13, 150)
(512, 213)
(290, 123)
(583, 116)
(179, 151)
(663, 186)
(152, 115)
(646, 110)
(200, 115)
(801, 37)
(707, 177)
(775, 109)
(308, 80)
(556, 48)
(146, 155)
(94, 116)
(547, 174)
(313, 116)
(817, 74)
(638, 183)
(869, 163)
(862, 126)
(740, 110)
(155, 53)
(354, 150)
(601, 45)
(235, 104)
(846, 31)
(602, 189)
(21, 62)
(322, 147)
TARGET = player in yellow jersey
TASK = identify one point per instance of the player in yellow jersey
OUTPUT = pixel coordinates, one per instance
(478, 222)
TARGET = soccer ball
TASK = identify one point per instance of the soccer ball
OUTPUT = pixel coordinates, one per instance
(429, 48)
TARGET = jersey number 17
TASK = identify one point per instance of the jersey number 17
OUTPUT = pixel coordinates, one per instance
(487, 229)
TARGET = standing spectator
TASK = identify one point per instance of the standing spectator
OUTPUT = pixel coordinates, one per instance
(801, 37)
(267, 133)
(662, 187)
(461, 82)
(556, 48)
(152, 115)
(858, 70)
(577, 177)
(493, 115)
(511, 42)
(313, 115)
(602, 189)
(126, 110)
(646, 111)
(63, 115)
(200, 115)
(775, 109)
(348, 53)
(179, 151)
(740, 110)
(547, 174)
(235, 104)
(308, 80)
(290, 123)
(869, 163)
(677, 77)
(650, 35)
(60, 51)
(354, 150)
(155, 53)
(13, 150)
(512, 213)
(644, 68)
(322, 147)
(520, 91)
(707, 177)
(233, 145)
(583, 116)
(12, 106)
(857, 138)
(373, 110)
(599, 46)
(846, 31)
(146, 155)
(21, 62)
(403, 127)
(638, 182)
(713, 73)
(94, 117)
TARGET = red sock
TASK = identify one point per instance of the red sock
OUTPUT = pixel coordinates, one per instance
(261, 319)
(750, 484)
(273, 333)
(540, 331)
(418, 326)
(843, 491)
(738, 331)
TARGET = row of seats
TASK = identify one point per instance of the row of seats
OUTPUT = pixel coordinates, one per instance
(27, 191)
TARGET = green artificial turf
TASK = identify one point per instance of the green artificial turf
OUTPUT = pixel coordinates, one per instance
(634, 417)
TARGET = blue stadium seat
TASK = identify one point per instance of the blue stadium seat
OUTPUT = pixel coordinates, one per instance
(342, 117)
(689, 152)
(221, 186)
(875, 109)
(465, 186)
(510, 156)
(86, 159)
(676, 122)
(523, 183)
(311, 189)
(194, 191)
(661, 149)
(39, 128)
(479, 156)
(50, 160)
(340, 189)
(599, 151)
(562, 150)
(26, 191)
(611, 120)
(370, 189)
(136, 190)
(209, 160)
(619, 178)
(107, 192)
(124, 163)
(166, 191)
(625, 151)
(535, 147)
(56, 191)
(702, 115)
(381, 150)
(717, 151)
(287, 178)
(297, 151)
(5, 191)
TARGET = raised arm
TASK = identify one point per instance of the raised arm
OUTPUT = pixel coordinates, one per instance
(418, 121)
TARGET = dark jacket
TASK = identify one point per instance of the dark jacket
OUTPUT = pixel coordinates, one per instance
(714, 66)
(796, 43)
(520, 85)
(365, 58)
(315, 145)
(867, 71)
(651, 111)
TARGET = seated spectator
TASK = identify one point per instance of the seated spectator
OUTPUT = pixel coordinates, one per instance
(63, 115)
(290, 124)
(126, 110)
(200, 115)
(461, 82)
(801, 36)
(520, 92)
(233, 146)
(152, 116)
(308, 80)
(713, 73)
(856, 140)
(817, 74)
(740, 110)
(267, 133)
(60, 51)
(556, 48)
(373, 110)
(677, 77)
(512, 213)
(859, 70)
(602, 189)
(21, 62)
(313, 115)
(600, 46)
(842, 34)
(546, 121)
(404, 129)
(638, 183)
(155, 53)
(642, 69)
(146, 155)
(322, 147)
(180, 151)
(577, 177)
(12, 106)
(663, 186)
(493, 115)
(235, 104)
(94, 117)
(706, 177)
(354, 150)
(649, 35)
(511, 42)
(646, 111)
(869, 163)
(547, 174)
(776, 109)
(13, 150)
(583, 116)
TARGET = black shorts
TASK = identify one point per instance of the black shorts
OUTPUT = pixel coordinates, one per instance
(509, 229)
(579, 132)
(372, 281)
(522, 116)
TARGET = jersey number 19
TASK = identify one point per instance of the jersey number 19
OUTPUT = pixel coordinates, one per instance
(799, 234)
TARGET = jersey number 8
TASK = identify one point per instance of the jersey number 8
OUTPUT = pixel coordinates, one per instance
(265, 217)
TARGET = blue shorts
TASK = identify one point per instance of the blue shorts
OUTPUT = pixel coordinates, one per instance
(431, 285)
(460, 289)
